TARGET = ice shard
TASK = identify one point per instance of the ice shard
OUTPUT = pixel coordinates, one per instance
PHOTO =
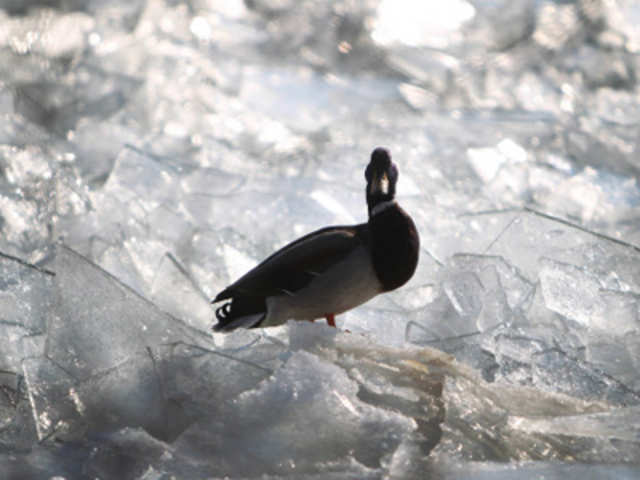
(98, 367)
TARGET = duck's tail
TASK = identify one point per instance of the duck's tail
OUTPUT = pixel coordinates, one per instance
(240, 312)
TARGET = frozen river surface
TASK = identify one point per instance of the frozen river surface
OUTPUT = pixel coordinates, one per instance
(151, 151)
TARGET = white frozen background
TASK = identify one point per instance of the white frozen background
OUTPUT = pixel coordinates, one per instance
(153, 150)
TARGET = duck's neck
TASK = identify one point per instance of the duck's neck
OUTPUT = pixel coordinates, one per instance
(381, 206)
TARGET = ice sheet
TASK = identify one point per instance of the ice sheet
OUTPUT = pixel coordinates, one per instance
(26, 298)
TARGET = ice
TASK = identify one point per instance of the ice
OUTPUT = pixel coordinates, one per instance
(128, 453)
(581, 297)
(517, 18)
(616, 73)
(79, 370)
(97, 146)
(429, 69)
(26, 200)
(511, 282)
(622, 19)
(617, 360)
(158, 185)
(298, 403)
(615, 426)
(472, 300)
(67, 407)
(81, 383)
(100, 308)
(556, 25)
(419, 26)
(58, 34)
(488, 161)
(488, 423)
(554, 333)
(572, 293)
(186, 301)
(532, 471)
(54, 463)
(538, 237)
(25, 300)
(151, 152)
(578, 197)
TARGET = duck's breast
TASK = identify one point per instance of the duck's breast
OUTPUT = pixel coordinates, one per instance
(395, 246)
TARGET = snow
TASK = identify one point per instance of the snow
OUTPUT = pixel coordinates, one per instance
(152, 151)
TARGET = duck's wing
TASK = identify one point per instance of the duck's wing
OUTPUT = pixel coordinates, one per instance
(295, 265)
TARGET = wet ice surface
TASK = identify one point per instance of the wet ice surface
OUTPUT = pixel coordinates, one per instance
(152, 151)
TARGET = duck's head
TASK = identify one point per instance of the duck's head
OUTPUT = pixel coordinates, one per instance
(381, 175)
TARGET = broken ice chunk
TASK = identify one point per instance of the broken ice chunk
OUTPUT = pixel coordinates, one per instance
(162, 389)
(385, 324)
(53, 462)
(437, 321)
(211, 181)
(472, 300)
(301, 397)
(49, 388)
(421, 24)
(443, 467)
(478, 424)
(130, 394)
(570, 291)
(47, 32)
(556, 25)
(530, 236)
(25, 294)
(128, 453)
(617, 266)
(487, 161)
(13, 352)
(516, 288)
(26, 298)
(616, 357)
(25, 223)
(241, 212)
(472, 233)
(621, 314)
(579, 295)
(98, 322)
(478, 297)
(137, 175)
(619, 426)
(555, 370)
(203, 378)
(413, 297)
(417, 97)
(464, 291)
(98, 143)
(580, 196)
(176, 292)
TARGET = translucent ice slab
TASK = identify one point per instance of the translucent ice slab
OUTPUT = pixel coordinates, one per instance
(100, 336)
(26, 298)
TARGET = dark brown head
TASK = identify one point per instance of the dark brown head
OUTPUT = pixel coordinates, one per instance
(382, 176)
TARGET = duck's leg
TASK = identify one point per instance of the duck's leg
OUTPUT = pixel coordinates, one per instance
(331, 319)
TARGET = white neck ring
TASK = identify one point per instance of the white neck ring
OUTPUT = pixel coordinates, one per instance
(382, 206)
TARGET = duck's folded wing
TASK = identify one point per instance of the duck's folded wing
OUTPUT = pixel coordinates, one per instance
(295, 265)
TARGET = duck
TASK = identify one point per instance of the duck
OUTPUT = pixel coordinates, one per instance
(332, 270)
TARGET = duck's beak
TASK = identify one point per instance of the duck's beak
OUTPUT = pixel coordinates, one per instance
(379, 185)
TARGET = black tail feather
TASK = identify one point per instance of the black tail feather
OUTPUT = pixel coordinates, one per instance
(239, 307)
